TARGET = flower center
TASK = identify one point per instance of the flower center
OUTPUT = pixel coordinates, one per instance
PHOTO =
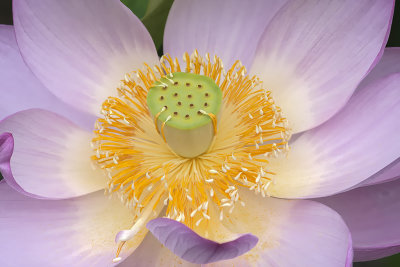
(186, 141)
(185, 108)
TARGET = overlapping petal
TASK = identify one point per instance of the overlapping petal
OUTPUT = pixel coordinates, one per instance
(358, 142)
(51, 157)
(230, 29)
(188, 245)
(313, 54)
(75, 232)
(389, 173)
(389, 64)
(81, 49)
(372, 214)
(20, 89)
(290, 233)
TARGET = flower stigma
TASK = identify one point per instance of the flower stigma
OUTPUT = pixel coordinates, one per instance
(184, 140)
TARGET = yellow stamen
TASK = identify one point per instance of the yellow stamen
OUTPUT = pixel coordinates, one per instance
(213, 119)
(156, 118)
(132, 150)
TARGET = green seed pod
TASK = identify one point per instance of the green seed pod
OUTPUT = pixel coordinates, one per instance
(183, 100)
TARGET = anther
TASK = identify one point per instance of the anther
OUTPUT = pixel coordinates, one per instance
(162, 127)
(189, 96)
(161, 98)
(191, 105)
(171, 81)
(199, 86)
(176, 113)
(117, 259)
(206, 104)
(187, 84)
(176, 94)
(237, 176)
(206, 94)
(187, 116)
(176, 83)
(179, 103)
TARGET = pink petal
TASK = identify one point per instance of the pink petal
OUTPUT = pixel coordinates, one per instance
(81, 49)
(6, 149)
(75, 232)
(51, 156)
(188, 245)
(291, 233)
(389, 173)
(372, 214)
(358, 142)
(313, 55)
(389, 64)
(230, 29)
(20, 89)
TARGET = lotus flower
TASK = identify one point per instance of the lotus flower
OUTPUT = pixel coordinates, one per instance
(194, 147)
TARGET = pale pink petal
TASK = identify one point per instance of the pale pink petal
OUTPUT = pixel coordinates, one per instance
(51, 157)
(20, 89)
(313, 54)
(81, 49)
(372, 214)
(389, 173)
(229, 28)
(75, 232)
(290, 232)
(357, 143)
(389, 64)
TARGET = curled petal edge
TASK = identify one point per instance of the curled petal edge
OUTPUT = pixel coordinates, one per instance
(191, 247)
